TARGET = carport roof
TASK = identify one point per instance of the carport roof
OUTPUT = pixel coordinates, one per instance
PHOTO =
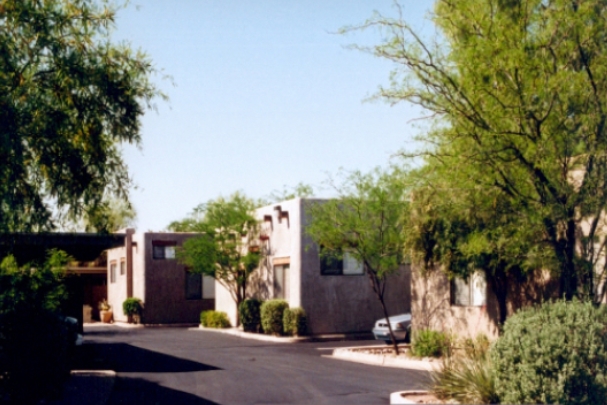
(81, 246)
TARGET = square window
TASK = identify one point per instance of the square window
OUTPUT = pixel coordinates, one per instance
(471, 292)
(169, 252)
(330, 263)
(352, 266)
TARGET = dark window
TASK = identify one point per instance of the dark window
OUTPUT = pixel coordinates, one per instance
(163, 249)
(122, 267)
(330, 263)
(158, 252)
(193, 286)
(281, 282)
(113, 272)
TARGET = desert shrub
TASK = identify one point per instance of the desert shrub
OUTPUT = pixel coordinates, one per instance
(429, 343)
(468, 381)
(468, 378)
(214, 319)
(249, 312)
(132, 306)
(294, 321)
(271, 316)
(554, 353)
(477, 347)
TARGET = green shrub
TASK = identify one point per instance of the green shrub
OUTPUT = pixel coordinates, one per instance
(132, 306)
(271, 316)
(249, 312)
(555, 353)
(429, 343)
(294, 321)
(214, 319)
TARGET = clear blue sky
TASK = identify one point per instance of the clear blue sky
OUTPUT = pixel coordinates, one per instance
(265, 96)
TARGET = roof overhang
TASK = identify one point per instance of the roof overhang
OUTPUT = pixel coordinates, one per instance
(28, 247)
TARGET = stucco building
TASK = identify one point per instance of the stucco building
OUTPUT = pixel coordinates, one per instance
(336, 295)
(146, 268)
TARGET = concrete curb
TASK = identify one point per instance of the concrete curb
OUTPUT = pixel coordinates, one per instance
(287, 339)
(383, 360)
(255, 336)
(398, 398)
(88, 387)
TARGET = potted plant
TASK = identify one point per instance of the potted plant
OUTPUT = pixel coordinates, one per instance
(132, 307)
(105, 311)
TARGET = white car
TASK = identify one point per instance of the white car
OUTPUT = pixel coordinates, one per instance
(401, 326)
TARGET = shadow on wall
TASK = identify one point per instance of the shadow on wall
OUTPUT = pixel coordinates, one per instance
(259, 281)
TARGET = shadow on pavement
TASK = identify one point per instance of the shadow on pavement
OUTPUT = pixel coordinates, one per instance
(124, 358)
(138, 391)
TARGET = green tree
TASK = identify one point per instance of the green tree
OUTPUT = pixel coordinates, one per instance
(227, 248)
(516, 94)
(288, 193)
(368, 221)
(68, 98)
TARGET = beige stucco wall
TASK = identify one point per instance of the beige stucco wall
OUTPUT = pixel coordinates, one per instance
(334, 304)
(160, 284)
(116, 291)
(431, 306)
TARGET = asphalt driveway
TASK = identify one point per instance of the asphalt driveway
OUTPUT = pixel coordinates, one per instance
(178, 366)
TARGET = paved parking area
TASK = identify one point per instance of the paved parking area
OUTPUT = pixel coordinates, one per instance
(178, 366)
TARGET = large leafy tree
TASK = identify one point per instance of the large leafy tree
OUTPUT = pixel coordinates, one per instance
(368, 221)
(517, 95)
(68, 98)
(227, 248)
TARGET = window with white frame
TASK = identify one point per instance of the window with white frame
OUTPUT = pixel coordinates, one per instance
(122, 267)
(471, 292)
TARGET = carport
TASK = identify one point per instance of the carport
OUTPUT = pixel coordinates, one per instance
(87, 274)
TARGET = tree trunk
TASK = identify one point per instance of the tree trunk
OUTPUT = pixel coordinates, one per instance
(379, 291)
(568, 280)
(383, 306)
(499, 285)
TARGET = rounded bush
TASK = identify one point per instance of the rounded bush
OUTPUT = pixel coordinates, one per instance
(132, 306)
(271, 316)
(214, 319)
(294, 321)
(555, 353)
(250, 316)
(429, 343)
